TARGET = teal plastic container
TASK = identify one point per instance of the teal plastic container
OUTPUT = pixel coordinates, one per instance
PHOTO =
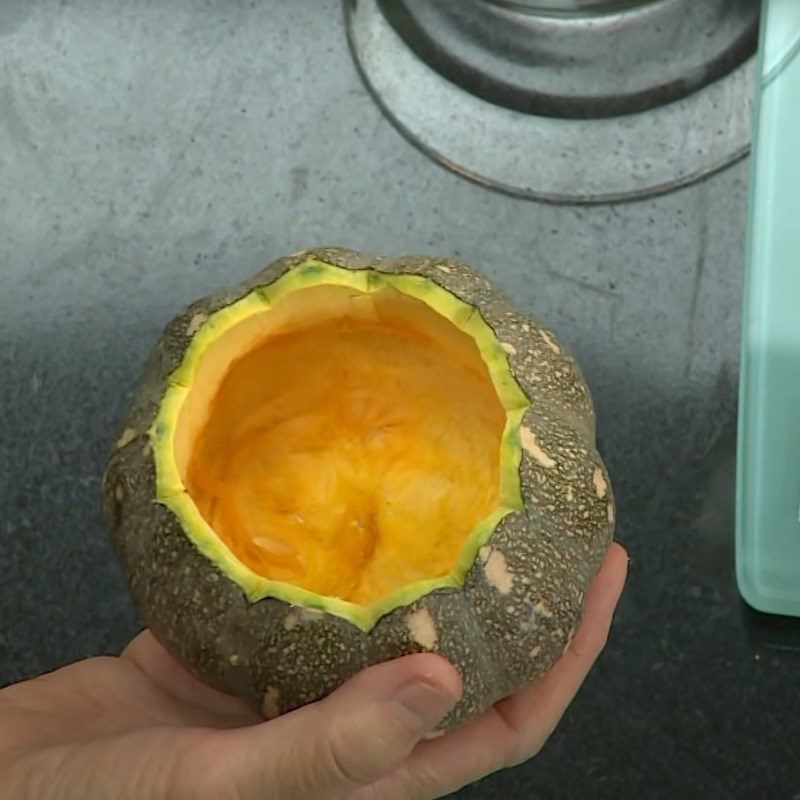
(768, 459)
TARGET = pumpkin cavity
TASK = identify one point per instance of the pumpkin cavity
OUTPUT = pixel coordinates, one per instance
(346, 441)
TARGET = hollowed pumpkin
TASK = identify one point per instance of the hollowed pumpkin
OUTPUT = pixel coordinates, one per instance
(350, 458)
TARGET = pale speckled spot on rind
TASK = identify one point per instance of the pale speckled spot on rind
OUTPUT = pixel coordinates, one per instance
(290, 620)
(549, 342)
(536, 650)
(311, 615)
(610, 512)
(497, 571)
(571, 635)
(422, 628)
(269, 705)
(542, 610)
(570, 494)
(126, 437)
(196, 323)
(509, 348)
(233, 659)
(526, 327)
(118, 493)
(528, 440)
(600, 484)
(443, 268)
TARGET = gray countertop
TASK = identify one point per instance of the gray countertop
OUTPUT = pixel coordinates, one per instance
(151, 152)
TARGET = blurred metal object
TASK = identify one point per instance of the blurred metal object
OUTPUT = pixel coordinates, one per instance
(591, 62)
(571, 6)
(564, 101)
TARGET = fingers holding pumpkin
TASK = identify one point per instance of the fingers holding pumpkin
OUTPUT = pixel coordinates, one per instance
(328, 749)
(532, 714)
(164, 669)
(517, 727)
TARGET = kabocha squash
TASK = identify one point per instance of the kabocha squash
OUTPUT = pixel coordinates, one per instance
(351, 458)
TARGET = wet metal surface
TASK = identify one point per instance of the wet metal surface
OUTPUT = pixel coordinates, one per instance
(150, 152)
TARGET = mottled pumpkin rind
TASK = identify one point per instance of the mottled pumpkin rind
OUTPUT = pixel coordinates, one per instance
(522, 600)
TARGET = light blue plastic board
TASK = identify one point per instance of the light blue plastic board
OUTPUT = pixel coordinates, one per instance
(768, 462)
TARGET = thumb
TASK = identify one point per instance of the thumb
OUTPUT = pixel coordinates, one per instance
(350, 739)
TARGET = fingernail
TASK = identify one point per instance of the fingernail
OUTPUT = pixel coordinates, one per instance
(428, 703)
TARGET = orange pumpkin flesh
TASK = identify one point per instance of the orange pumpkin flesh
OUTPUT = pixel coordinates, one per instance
(352, 450)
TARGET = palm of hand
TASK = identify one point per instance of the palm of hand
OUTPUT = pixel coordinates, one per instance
(141, 726)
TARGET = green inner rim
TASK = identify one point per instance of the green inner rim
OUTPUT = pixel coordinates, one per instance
(171, 491)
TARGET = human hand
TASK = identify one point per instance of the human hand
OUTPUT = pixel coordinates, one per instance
(140, 727)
